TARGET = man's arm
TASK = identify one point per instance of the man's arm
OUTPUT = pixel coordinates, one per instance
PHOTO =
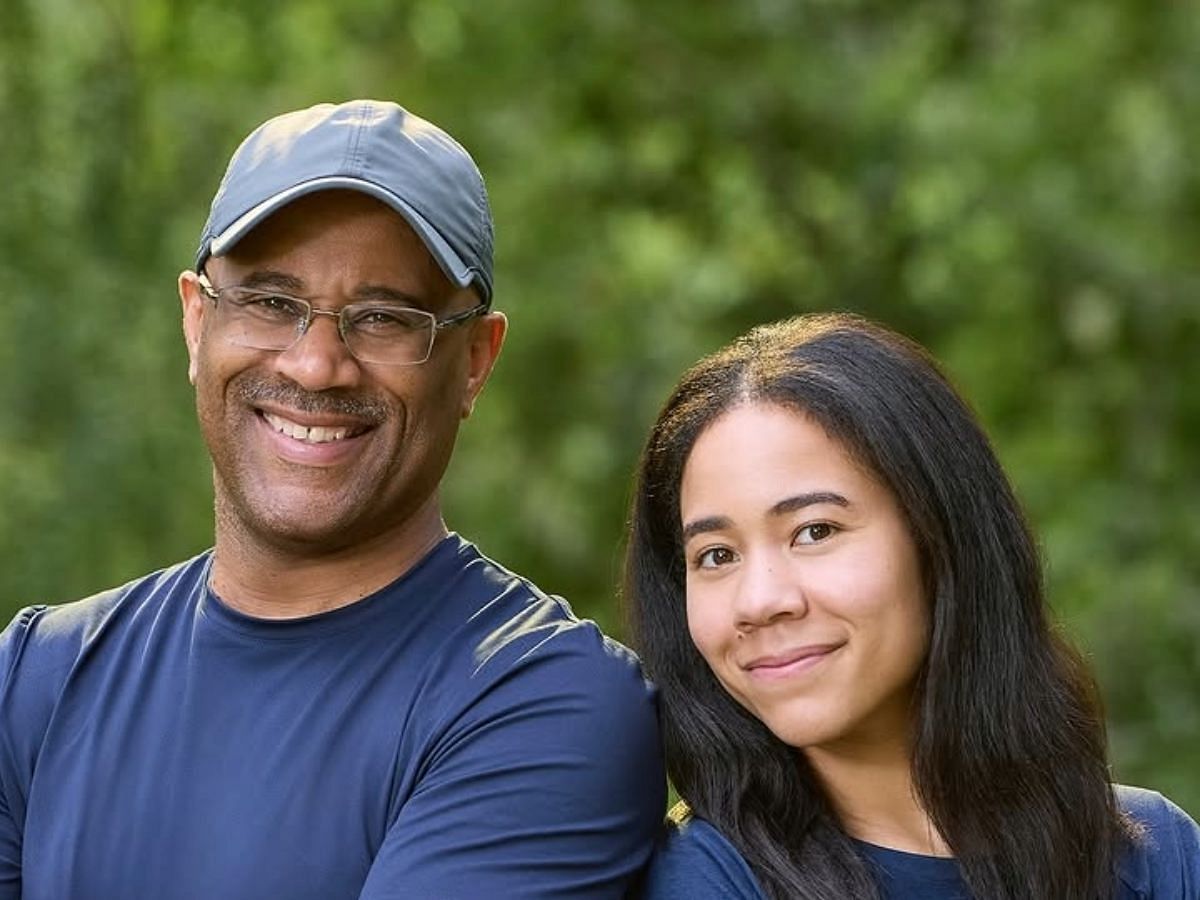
(12, 642)
(10, 853)
(548, 784)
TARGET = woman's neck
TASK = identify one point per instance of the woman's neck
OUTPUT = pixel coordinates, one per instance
(872, 792)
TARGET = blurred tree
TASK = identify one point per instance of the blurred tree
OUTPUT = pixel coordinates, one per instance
(1006, 181)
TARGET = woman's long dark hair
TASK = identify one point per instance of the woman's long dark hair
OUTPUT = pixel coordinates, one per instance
(1008, 739)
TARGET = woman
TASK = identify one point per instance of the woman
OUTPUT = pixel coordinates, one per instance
(862, 696)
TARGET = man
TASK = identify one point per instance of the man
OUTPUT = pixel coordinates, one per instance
(342, 699)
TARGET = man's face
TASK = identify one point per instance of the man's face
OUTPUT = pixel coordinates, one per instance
(314, 451)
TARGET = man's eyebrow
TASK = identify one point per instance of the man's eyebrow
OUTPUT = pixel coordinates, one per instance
(381, 293)
(787, 505)
(272, 279)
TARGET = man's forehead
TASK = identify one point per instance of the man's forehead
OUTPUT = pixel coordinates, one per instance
(336, 222)
(371, 255)
(329, 214)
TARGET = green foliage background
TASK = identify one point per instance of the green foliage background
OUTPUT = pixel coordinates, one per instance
(1008, 181)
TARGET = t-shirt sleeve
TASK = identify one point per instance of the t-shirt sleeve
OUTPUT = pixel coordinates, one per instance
(1187, 838)
(547, 783)
(12, 641)
(10, 853)
(693, 861)
(1181, 863)
(1166, 864)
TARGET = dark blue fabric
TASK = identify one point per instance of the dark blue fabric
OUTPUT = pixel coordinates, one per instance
(910, 876)
(694, 861)
(458, 734)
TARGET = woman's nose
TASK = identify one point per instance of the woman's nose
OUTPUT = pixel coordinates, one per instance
(769, 589)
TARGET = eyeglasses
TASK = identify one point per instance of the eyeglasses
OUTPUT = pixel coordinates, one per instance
(383, 333)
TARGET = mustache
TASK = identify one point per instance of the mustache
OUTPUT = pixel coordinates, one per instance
(256, 391)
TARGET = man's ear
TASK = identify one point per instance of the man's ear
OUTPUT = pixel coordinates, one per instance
(487, 337)
(194, 304)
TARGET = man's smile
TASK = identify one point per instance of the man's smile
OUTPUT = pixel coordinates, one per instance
(310, 434)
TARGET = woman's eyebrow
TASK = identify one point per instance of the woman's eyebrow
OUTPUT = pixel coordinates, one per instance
(787, 505)
(809, 498)
(702, 526)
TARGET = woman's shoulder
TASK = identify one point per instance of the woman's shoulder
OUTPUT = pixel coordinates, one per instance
(1163, 861)
(694, 861)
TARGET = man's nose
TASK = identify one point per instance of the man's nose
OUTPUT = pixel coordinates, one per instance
(320, 359)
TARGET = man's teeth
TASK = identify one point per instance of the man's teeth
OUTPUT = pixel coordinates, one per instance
(313, 435)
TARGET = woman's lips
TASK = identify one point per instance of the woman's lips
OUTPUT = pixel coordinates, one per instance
(791, 662)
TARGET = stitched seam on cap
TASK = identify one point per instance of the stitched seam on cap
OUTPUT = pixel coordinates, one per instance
(483, 207)
(352, 159)
(485, 232)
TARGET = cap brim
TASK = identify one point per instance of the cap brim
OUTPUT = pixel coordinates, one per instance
(448, 261)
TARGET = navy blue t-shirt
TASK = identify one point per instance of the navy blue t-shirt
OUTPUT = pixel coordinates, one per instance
(694, 861)
(911, 876)
(458, 734)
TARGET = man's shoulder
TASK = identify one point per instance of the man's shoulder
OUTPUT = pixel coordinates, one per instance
(45, 637)
(1164, 857)
(511, 646)
(512, 619)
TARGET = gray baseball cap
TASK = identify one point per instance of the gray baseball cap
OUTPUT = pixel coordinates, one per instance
(374, 147)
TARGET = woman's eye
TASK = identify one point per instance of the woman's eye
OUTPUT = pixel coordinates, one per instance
(714, 558)
(814, 533)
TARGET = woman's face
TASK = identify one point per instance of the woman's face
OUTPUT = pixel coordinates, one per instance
(804, 592)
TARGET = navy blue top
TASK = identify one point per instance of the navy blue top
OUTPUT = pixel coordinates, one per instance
(695, 862)
(911, 876)
(458, 734)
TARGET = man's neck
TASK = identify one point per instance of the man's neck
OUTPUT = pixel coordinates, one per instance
(270, 581)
